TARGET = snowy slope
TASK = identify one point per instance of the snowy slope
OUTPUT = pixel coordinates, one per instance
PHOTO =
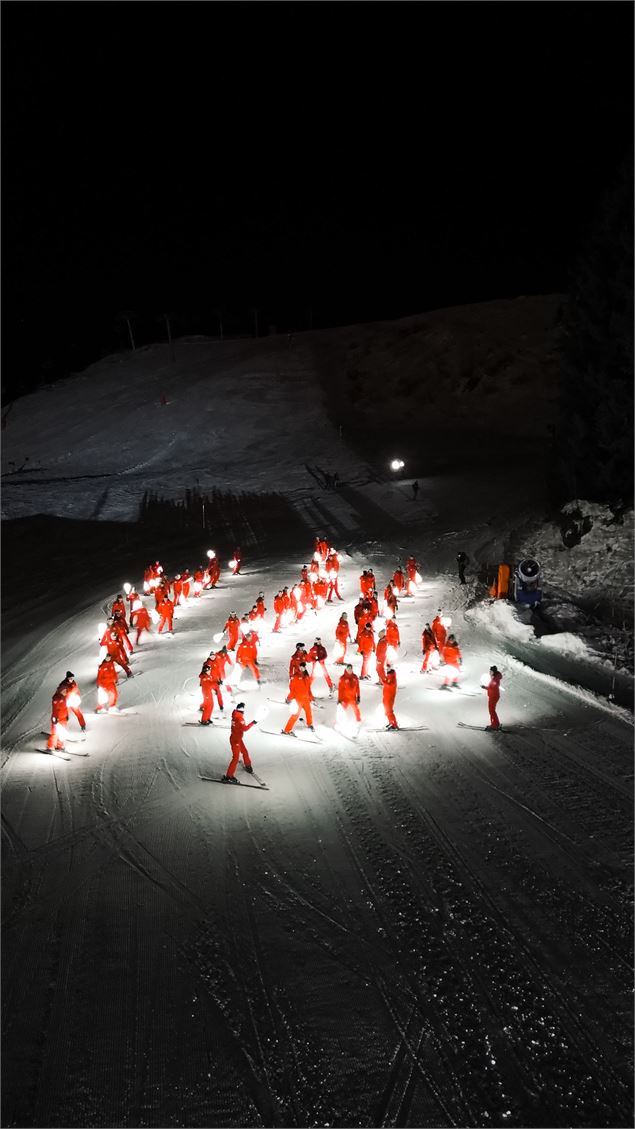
(419, 928)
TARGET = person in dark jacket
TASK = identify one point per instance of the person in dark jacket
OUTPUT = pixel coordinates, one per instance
(462, 561)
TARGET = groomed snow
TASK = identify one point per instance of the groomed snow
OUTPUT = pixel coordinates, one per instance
(427, 928)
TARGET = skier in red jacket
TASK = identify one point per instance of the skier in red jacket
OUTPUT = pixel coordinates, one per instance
(107, 680)
(140, 619)
(236, 562)
(366, 647)
(301, 696)
(332, 566)
(166, 610)
(69, 688)
(389, 693)
(59, 721)
(317, 655)
(247, 656)
(439, 630)
(428, 648)
(237, 744)
(206, 678)
(493, 694)
(342, 636)
(451, 655)
(278, 607)
(348, 692)
(380, 656)
(232, 627)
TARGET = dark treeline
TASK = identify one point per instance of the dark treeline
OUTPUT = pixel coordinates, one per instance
(594, 432)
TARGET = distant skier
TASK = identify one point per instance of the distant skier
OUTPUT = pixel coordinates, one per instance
(237, 744)
(366, 647)
(140, 619)
(439, 630)
(247, 656)
(166, 611)
(380, 656)
(415, 490)
(462, 561)
(493, 694)
(342, 636)
(236, 561)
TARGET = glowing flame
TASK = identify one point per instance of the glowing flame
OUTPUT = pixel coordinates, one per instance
(486, 679)
(73, 700)
(388, 613)
(232, 564)
(127, 588)
(391, 654)
(101, 627)
(338, 650)
(211, 554)
(61, 731)
(293, 707)
(136, 605)
(395, 590)
(418, 578)
(154, 616)
(197, 586)
(261, 713)
(218, 636)
(446, 621)
(102, 696)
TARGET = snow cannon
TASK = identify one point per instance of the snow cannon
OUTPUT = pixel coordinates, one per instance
(527, 581)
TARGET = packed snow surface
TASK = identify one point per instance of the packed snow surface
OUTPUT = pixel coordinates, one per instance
(423, 928)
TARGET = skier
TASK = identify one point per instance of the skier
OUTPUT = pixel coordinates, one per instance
(119, 608)
(217, 668)
(342, 636)
(119, 630)
(114, 649)
(59, 721)
(140, 618)
(428, 647)
(389, 693)
(298, 658)
(301, 697)
(411, 572)
(214, 571)
(205, 678)
(107, 680)
(232, 628)
(366, 647)
(317, 654)
(398, 581)
(348, 692)
(332, 565)
(493, 694)
(380, 656)
(452, 658)
(392, 634)
(69, 688)
(166, 610)
(260, 606)
(237, 744)
(236, 561)
(439, 631)
(223, 663)
(462, 561)
(247, 656)
(278, 607)
(415, 490)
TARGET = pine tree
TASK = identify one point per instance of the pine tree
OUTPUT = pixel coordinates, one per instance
(594, 436)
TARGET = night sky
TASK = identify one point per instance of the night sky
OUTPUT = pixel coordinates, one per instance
(362, 160)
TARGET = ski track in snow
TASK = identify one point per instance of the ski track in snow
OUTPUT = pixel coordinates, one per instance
(424, 928)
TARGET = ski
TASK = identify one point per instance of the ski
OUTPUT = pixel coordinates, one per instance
(240, 783)
(483, 728)
(257, 778)
(118, 713)
(315, 702)
(400, 729)
(294, 736)
(54, 753)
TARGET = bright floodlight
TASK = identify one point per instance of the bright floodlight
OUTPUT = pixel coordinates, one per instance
(211, 554)
(396, 464)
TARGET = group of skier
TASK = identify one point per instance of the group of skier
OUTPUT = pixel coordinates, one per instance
(317, 586)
